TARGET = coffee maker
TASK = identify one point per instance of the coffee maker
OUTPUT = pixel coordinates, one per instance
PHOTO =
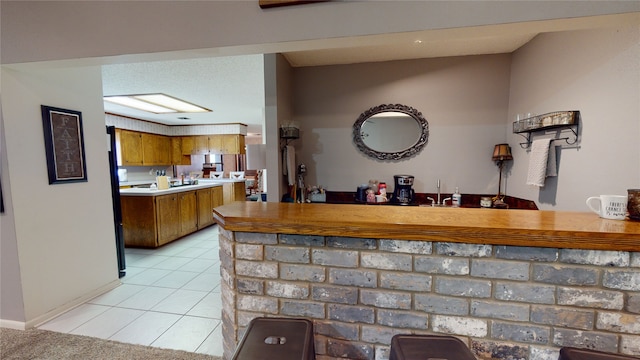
(403, 193)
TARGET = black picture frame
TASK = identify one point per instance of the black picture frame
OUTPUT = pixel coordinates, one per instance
(64, 145)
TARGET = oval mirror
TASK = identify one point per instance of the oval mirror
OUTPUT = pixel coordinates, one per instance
(391, 132)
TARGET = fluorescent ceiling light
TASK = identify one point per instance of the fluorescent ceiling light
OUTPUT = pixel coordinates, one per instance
(156, 103)
(137, 104)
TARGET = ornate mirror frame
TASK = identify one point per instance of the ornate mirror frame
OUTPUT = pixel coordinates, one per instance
(399, 155)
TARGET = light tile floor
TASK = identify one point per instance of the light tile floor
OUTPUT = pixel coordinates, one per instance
(169, 298)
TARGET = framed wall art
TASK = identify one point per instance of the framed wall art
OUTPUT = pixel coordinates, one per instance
(64, 144)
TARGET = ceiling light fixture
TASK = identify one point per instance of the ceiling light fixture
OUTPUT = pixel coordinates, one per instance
(156, 103)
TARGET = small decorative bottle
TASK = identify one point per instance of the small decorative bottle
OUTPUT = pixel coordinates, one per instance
(457, 198)
(371, 196)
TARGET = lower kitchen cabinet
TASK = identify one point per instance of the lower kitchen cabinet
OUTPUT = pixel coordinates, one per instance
(217, 197)
(207, 200)
(168, 215)
(205, 208)
(139, 224)
(152, 221)
(234, 191)
(188, 212)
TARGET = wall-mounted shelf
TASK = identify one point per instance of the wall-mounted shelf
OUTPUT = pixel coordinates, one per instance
(559, 121)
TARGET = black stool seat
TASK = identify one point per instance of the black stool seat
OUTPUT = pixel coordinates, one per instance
(571, 353)
(277, 339)
(425, 347)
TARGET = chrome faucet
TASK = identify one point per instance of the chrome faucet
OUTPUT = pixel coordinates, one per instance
(438, 202)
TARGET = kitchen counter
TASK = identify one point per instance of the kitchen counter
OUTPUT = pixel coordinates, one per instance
(151, 218)
(136, 182)
(224, 180)
(171, 190)
(557, 229)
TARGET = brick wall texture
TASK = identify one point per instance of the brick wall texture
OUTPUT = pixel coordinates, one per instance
(504, 302)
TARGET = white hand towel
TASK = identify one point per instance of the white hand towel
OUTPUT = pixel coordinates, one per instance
(552, 166)
(542, 162)
(291, 165)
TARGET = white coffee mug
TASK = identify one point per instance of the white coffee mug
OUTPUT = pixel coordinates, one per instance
(609, 206)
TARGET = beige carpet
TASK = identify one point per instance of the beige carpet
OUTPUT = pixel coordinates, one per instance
(42, 344)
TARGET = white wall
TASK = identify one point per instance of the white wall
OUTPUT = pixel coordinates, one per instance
(65, 235)
(32, 31)
(11, 301)
(464, 99)
(470, 103)
(598, 73)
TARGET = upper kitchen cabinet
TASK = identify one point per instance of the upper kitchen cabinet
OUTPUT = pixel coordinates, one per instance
(213, 144)
(202, 144)
(177, 156)
(156, 149)
(142, 149)
(129, 147)
(233, 144)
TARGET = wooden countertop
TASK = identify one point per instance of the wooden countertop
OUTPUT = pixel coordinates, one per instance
(556, 229)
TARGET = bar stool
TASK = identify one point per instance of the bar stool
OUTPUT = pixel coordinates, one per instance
(571, 353)
(277, 338)
(420, 347)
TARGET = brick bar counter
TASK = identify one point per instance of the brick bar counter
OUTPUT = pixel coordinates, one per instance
(512, 284)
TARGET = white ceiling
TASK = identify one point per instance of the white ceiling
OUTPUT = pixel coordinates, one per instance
(233, 86)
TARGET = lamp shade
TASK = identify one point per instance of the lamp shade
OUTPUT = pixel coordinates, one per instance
(502, 152)
(256, 156)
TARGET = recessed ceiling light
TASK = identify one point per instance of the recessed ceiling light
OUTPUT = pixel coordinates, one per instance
(417, 42)
(156, 103)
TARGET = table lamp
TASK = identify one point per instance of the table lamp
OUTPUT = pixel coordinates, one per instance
(501, 153)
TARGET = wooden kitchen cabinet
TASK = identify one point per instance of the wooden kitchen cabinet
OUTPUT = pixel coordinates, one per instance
(233, 144)
(139, 224)
(217, 196)
(201, 144)
(142, 149)
(205, 208)
(213, 144)
(129, 147)
(156, 149)
(163, 147)
(152, 221)
(234, 191)
(168, 215)
(216, 144)
(188, 145)
(177, 155)
(145, 149)
(188, 212)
